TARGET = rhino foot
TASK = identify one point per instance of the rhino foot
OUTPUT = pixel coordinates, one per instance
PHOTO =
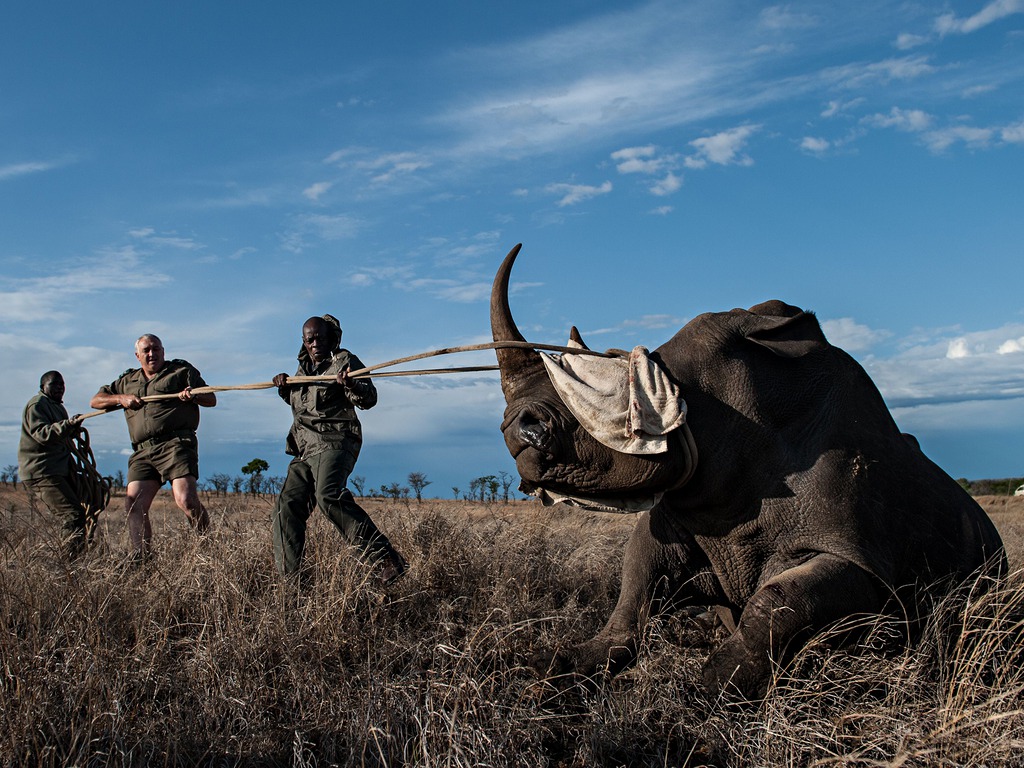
(737, 675)
(585, 664)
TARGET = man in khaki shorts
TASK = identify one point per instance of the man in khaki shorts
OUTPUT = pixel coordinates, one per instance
(163, 435)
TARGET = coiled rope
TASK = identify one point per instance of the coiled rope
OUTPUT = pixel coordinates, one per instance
(91, 488)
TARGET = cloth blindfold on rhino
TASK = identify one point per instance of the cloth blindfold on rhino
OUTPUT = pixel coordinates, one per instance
(629, 405)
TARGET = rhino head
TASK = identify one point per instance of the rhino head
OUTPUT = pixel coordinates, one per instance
(554, 454)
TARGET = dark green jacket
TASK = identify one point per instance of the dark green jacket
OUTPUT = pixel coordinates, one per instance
(159, 418)
(325, 414)
(46, 431)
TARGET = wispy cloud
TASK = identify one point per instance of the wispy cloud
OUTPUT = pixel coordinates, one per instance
(577, 193)
(315, 191)
(56, 295)
(25, 169)
(308, 229)
(949, 23)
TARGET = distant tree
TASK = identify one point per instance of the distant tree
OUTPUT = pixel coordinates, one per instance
(273, 484)
(455, 491)
(236, 483)
(10, 475)
(255, 469)
(418, 481)
(482, 488)
(358, 482)
(506, 482)
(220, 482)
(119, 480)
(394, 491)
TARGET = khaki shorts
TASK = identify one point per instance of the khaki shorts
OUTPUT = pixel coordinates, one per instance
(165, 461)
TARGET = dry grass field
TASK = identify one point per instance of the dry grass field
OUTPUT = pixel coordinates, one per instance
(204, 657)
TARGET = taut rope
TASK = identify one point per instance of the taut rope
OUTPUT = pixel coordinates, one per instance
(372, 371)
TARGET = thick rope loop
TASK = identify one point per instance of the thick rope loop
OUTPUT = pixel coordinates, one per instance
(91, 488)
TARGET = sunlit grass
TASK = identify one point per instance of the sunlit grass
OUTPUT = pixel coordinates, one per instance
(205, 656)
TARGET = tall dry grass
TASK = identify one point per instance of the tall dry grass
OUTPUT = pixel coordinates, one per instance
(204, 657)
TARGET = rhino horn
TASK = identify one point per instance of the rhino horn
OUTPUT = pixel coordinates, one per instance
(518, 366)
(575, 338)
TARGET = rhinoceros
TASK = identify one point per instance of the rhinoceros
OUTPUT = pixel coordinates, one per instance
(787, 499)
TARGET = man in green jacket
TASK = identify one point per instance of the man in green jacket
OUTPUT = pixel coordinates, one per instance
(44, 459)
(325, 439)
(163, 434)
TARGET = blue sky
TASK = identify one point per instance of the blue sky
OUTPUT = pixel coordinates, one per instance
(216, 173)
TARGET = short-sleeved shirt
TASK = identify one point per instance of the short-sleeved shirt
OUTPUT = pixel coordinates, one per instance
(159, 419)
(43, 450)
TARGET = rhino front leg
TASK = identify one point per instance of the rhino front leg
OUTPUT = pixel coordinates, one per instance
(662, 565)
(783, 614)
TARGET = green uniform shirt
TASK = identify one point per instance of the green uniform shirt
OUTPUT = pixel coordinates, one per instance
(325, 414)
(159, 418)
(43, 450)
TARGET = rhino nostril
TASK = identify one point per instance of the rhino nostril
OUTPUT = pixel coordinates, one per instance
(533, 431)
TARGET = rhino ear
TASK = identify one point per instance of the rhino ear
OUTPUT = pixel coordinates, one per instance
(575, 339)
(793, 336)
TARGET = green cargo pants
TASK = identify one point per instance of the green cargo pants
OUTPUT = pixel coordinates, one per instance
(320, 481)
(59, 497)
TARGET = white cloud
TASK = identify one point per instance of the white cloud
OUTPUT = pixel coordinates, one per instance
(949, 23)
(957, 349)
(911, 120)
(854, 337)
(1011, 346)
(783, 17)
(724, 148)
(671, 183)
(814, 145)
(975, 366)
(860, 75)
(646, 160)
(662, 210)
(1013, 134)
(577, 193)
(836, 107)
(315, 191)
(940, 140)
(638, 160)
(906, 41)
(24, 169)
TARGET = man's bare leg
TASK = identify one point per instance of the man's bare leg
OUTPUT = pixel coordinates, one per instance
(186, 496)
(137, 500)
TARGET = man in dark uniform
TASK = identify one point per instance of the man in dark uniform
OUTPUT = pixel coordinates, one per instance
(325, 439)
(44, 459)
(163, 435)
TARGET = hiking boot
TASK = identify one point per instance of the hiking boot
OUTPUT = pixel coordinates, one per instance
(390, 569)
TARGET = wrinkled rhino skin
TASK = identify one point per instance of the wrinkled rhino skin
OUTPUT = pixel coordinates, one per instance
(807, 504)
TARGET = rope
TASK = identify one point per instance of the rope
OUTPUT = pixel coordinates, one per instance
(91, 488)
(373, 370)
